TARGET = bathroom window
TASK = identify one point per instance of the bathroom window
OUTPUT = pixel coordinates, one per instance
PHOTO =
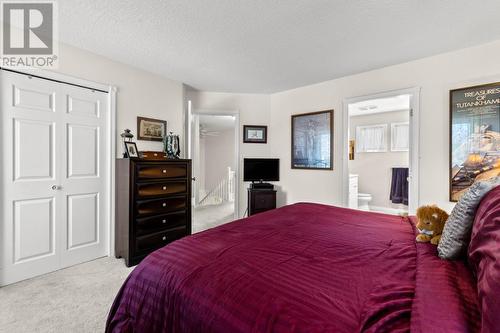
(400, 136)
(371, 139)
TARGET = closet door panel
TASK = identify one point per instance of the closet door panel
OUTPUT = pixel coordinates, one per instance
(31, 96)
(34, 150)
(84, 180)
(30, 238)
(34, 226)
(83, 150)
(83, 220)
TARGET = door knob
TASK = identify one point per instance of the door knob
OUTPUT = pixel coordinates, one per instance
(194, 178)
(56, 187)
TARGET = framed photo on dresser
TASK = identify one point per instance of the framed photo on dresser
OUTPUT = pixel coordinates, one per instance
(132, 151)
(312, 140)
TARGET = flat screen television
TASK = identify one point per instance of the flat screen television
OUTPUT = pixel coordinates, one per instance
(261, 169)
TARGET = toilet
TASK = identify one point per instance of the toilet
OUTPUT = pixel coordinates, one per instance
(357, 200)
(364, 200)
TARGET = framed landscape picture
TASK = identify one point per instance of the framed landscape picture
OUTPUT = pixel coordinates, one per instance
(474, 136)
(151, 129)
(254, 134)
(312, 140)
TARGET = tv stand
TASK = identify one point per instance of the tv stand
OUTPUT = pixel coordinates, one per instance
(261, 199)
(261, 186)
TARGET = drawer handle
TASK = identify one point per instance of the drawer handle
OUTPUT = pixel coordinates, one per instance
(163, 221)
(155, 154)
(164, 238)
(164, 204)
(164, 171)
(164, 188)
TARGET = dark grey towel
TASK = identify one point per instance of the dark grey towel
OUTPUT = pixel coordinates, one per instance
(399, 186)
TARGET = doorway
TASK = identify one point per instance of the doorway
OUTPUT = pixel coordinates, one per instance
(381, 152)
(213, 149)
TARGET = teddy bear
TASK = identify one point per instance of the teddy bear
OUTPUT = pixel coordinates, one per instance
(431, 220)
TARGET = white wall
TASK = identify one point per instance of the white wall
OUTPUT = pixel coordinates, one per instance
(140, 93)
(375, 169)
(147, 94)
(219, 155)
(253, 109)
(435, 75)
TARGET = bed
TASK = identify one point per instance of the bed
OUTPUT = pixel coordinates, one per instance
(301, 268)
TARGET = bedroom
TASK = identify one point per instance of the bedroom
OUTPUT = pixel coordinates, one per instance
(267, 60)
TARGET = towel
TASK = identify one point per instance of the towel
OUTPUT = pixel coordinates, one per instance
(399, 186)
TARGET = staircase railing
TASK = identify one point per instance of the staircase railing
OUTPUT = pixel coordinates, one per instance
(222, 192)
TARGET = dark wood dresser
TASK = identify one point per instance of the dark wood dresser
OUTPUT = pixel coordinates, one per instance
(153, 205)
(261, 200)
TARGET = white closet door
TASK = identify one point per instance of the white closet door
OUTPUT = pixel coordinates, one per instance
(83, 125)
(30, 205)
(53, 207)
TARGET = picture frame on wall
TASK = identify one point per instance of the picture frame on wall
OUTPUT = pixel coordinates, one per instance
(151, 129)
(312, 140)
(254, 134)
(474, 136)
(131, 148)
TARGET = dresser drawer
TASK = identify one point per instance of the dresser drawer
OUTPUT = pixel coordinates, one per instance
(148, 225)
(147, 190)
(151, 171)
(159, 239)
(160, 206)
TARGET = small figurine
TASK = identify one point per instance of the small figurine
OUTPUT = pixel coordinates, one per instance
(171, 145)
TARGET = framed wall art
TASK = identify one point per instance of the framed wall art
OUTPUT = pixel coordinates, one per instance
(474, 136)
(254, 134)
(312, 140)
(151, 129)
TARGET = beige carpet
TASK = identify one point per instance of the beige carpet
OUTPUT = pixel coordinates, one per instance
(206, 217)
(78, 299)
(75, 299)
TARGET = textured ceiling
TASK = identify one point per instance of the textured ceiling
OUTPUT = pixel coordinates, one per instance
(272, 45)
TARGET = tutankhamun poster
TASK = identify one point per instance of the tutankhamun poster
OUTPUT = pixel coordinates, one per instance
(474, 136)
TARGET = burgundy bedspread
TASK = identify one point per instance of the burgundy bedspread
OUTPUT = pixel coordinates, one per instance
(300, 268)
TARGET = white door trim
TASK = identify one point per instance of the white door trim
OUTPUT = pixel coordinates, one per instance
(414, 195)
(111, 130)
(112, 90)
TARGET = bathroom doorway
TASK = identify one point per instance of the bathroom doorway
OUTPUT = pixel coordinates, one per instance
(381, 161)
